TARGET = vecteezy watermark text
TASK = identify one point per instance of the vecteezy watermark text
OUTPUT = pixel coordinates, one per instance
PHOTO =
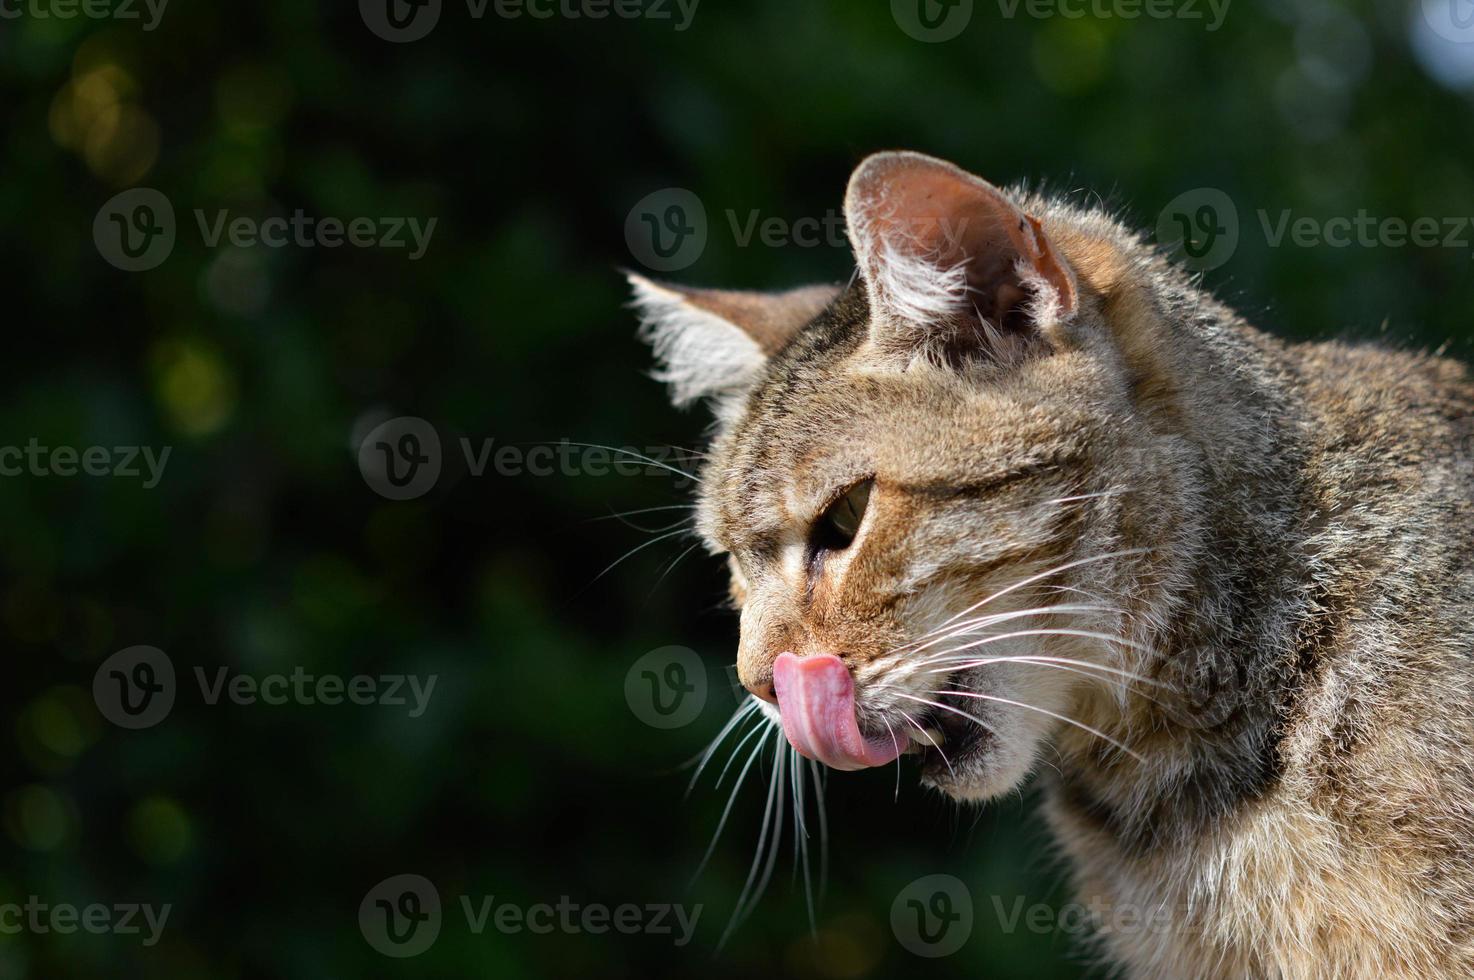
(402, 21)
(63, 918)
(136, 230)
(667, 230)
(1365, 230)
(571, 918)
(124, 10)
(135, 688)
(1098, 914)
(933, 916)
(305, 231)
(1202, 228)
(568, 458)
(934, 21)
(1211, 11)
(401, 917)
(401, 459)
(300, 687)
(34, 459)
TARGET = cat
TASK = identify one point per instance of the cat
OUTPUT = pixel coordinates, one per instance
(1023, 492)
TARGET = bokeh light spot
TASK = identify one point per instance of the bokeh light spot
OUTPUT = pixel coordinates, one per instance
(194, 386)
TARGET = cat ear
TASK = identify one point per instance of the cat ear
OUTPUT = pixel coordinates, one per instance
(951, 265)
(713, 342)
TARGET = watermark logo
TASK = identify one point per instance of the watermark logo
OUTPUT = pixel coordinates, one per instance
(1452, 20)
(134, 231)
(666, 688)
(400, 21)
(932, 21)
(1200, 228)
(149, 11)
(401, 458)
(666, 230)
(400, 916)
(303, 230)
(932, 916)
(134, 688)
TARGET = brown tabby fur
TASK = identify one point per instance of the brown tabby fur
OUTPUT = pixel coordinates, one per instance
(1294, 532)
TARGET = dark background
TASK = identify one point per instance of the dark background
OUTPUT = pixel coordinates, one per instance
(264, 549)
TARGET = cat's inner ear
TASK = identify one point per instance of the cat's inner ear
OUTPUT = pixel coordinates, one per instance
(711, 343)
(950, 263)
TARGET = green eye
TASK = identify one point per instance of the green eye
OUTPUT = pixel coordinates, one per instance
(841, 522)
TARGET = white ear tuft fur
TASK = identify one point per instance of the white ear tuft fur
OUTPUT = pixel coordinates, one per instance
(919, 290)
(700, 355)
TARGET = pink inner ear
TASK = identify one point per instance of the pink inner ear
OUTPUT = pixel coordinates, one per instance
(911, 214)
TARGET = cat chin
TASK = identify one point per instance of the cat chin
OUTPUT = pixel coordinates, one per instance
(996, 767)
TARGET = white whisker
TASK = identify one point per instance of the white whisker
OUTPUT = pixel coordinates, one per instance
(639, 548)
(630, 452)
(926, 735)
(672, 566)
(897, 746)
(721, 776)
(742, 712)
(813, 768)
(1045, 711)
(771, 821)
(727, 810)
(1015, 634)
(995, 618)
(946, 707)
(1044, 661)
(1086, 496)
(801, 836)
(1043, 575)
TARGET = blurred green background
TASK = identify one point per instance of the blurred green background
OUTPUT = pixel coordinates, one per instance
(529, 141)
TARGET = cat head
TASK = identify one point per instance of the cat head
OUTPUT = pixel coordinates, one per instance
(935, 486)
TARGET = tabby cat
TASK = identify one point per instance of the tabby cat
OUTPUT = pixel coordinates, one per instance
(1023, 500)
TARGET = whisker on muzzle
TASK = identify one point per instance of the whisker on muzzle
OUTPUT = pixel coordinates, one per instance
(1044, 711)
(1038, 577)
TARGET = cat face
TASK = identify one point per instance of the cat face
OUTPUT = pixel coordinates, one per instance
(922, 481)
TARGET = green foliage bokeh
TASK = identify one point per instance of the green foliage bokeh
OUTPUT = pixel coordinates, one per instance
(529, 140)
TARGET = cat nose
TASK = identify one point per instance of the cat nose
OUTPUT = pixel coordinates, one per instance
(761, 685)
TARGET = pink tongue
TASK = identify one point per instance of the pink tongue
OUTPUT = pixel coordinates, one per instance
(816, 697)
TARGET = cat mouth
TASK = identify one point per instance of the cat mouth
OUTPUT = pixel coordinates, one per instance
(818, 711)
(943, 734)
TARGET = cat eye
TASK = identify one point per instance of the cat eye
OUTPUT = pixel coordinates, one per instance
(839, 524)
